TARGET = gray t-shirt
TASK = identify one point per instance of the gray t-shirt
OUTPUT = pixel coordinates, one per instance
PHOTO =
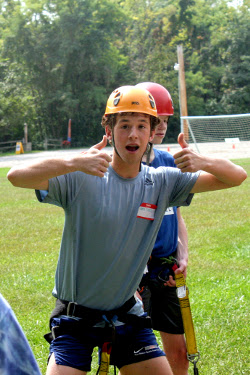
(110, 229)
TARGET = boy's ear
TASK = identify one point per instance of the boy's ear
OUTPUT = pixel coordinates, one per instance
(108, 133)
(152, 134)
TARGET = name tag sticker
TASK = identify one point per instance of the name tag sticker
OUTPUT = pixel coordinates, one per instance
(147, 211)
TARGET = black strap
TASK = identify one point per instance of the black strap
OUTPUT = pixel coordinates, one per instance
(91, 316)
(65, 328)
(148, 153)
(196, 372)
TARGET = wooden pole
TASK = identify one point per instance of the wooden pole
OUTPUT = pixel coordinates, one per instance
(25, 133)
(182, 93)
(69, 132)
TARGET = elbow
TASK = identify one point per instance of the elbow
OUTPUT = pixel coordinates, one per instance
(241, 178)
(11, 176)
(244, 176)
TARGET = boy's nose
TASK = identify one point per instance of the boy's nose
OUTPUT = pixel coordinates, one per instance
(133, 133)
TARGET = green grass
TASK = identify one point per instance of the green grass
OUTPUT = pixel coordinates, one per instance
(218, 272)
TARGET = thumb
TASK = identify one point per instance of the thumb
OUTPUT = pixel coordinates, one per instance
(178, 270)
(102, 144)
(181, 141)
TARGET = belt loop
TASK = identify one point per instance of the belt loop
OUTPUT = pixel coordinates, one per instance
(71, 304)
(53, 332)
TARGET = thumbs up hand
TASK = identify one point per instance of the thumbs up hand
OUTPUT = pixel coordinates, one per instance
(187, 160)
(94, 161)
(181, 141)
(102, 144)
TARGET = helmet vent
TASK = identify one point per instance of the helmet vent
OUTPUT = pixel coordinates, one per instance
(117, 98)
(151, 101)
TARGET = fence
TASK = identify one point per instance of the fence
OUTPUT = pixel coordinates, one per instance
(52, 143)
(11, 145)
(49, 143)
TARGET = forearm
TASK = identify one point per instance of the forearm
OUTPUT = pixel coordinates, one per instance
(36, 176)
(224, 170)
(182, 247)
(94, 162)
(218, 174)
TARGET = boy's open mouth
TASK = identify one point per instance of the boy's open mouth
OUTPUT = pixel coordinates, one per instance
(132, 148)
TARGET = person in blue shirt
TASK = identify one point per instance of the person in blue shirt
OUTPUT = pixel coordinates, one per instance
(16, 357)
(159, 297)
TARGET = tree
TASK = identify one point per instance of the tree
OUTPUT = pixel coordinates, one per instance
(70, 54)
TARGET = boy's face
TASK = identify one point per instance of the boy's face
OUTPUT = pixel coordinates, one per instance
(132, 133)
(160, 130)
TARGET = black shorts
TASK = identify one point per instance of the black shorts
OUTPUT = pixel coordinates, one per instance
(162, 304)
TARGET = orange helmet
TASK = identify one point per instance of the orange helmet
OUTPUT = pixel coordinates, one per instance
(162, 97)
(131, 99)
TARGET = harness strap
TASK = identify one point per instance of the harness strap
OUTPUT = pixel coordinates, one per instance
(90, 317)
(73, 309)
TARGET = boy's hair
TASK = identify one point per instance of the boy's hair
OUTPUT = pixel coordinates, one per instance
(110, 120)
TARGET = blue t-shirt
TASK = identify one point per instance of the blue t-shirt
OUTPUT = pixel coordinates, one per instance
(16, 357)
(167, 238)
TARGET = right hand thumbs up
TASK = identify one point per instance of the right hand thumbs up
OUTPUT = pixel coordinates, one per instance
(102, 144)
(96, 161)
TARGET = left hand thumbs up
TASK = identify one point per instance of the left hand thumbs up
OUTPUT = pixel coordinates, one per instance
(181, 141)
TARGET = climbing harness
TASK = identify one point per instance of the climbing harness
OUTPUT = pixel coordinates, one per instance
(158, 272)
(89, 318)
(182, 293)
(162, 268)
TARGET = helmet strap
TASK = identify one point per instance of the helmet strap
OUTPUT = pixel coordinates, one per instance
(148, 152)
(113, 142)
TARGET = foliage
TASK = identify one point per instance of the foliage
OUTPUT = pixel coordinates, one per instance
(61, 60)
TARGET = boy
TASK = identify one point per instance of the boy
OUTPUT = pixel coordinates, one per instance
(113, 211)
(159, 297)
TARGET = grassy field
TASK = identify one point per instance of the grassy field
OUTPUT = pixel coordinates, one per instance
(218, 273)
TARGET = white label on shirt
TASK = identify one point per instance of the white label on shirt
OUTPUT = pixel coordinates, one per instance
(147, 211)
(169, 211)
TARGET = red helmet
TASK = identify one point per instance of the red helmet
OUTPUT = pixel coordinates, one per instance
(163, 100)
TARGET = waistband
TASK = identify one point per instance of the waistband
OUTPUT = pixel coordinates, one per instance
(92, 316)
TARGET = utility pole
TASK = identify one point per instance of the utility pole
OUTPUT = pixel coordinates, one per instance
(182, 92)
(25, 133)
(69, 132)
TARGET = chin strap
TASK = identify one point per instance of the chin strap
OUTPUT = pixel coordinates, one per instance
(148, 152)
(182, 292)
(113, 143)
